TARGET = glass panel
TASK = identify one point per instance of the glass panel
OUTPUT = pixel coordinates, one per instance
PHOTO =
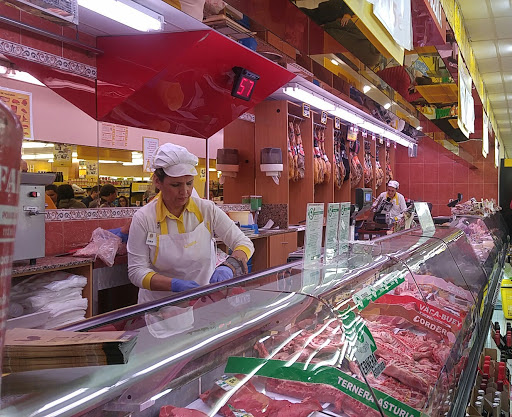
(485, 245)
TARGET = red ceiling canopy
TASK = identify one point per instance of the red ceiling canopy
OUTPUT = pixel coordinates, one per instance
(171, 82)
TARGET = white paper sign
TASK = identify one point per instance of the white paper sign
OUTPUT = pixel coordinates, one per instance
(395, 16)
(344, 228)
(424, 216)
(149, 147)
(485, 137)
(331, 231)
(314, 230)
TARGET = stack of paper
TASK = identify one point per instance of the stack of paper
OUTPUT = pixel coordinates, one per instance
(35, 349)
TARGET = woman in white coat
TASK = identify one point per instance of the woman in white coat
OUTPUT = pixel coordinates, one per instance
(170, 245)
(391, 201)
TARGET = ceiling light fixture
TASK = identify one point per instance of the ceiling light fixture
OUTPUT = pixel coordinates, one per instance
(127, 13)
(335, 62)
(387, 106)
(35, 145)
(308, 97)
(366, 88)
(347, 112)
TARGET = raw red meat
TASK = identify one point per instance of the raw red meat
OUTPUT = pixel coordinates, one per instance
(323, 393)
(259, 405)
(246, 398)
(170, 411)
(284, 408)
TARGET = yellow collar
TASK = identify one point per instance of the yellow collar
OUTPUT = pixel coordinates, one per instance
(394, 198)
(162, 212)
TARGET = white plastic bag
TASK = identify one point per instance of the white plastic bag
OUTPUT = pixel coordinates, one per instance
(103, 244)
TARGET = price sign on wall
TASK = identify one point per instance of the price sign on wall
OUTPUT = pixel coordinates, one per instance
(149, 147)
(20, 102)
(306, 110)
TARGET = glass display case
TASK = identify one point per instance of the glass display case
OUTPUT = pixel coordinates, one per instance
(385, 329)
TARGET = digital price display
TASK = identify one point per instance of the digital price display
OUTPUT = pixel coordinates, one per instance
(244, 84)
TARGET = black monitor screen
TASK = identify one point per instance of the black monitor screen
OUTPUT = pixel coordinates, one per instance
(363, 197)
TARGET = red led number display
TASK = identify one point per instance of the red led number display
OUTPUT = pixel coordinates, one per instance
(245, 87)
(244, 83)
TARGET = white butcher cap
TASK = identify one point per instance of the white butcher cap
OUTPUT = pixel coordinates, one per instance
(175, 160)
(393, 184)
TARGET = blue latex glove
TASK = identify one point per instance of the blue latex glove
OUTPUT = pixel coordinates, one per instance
(117, 232)
(178, 285)
(221, 273)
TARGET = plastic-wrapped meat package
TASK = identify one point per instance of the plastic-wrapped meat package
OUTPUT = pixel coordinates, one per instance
(103, 244)
(170, 411)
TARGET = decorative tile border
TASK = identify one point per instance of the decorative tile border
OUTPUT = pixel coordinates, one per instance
(63, 215)
(45, 58)
(234, 207)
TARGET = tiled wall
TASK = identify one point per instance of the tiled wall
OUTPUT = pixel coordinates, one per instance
(71, 229)
(26, 38)
(434, 177)
(67, 235)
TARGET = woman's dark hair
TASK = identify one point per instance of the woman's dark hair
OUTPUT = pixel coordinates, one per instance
(160, 174)
(51, 187)
(122, 197)
(65, 192)
(107, 189)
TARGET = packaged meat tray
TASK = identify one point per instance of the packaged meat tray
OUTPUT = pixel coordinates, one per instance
(386, 329)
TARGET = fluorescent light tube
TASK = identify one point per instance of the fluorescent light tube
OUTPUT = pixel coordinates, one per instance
(38, 156)
(309, 98)
(127, 13)
(397, 138)
(366, 88)
(35, 145)
(372, 128)
(347, 116)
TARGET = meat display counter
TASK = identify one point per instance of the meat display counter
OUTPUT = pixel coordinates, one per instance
(386, 329)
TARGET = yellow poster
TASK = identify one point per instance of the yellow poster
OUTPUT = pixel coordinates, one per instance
(20, 102)
(62, 155)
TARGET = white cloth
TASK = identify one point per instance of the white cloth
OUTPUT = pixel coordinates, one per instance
(195, 245)
(398, 204)
(175, 160)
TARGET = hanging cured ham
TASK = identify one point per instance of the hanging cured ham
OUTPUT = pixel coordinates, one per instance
(356, 168)
(379, 174)
(389, 173)
(301, 156)
(368, 168)
(339, 167)
(291, 139)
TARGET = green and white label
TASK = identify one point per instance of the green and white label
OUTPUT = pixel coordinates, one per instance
(331, 231)
(314, 230)
(321, 375)
(360, 343)
(344, 228)
(384, 285)
(227, 382)
(239, 413)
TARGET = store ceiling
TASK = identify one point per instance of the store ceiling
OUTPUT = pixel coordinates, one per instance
(489, 25)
